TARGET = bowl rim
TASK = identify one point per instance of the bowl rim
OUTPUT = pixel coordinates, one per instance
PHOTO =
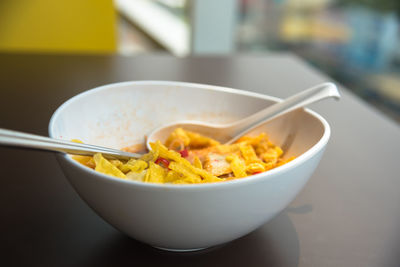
(236, 182)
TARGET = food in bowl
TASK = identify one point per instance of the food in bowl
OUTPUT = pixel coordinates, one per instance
(190, 158)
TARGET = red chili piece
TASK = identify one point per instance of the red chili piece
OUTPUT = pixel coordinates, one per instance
(184, 153)
(161, 161)
(256, 172)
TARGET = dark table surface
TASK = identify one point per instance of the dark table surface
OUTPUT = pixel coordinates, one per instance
(347, 215)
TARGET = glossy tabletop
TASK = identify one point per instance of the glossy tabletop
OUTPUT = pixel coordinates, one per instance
(348, 214)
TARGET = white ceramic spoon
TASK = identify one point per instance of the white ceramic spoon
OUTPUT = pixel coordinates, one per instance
(229, 133)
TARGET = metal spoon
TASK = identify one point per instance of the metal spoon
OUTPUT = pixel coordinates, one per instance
(19, 139)
(229, 133)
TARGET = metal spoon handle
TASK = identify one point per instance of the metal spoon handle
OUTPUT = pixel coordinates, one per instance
(19, 139)
(301, 99)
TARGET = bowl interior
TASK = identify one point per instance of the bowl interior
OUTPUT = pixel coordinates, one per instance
(120, 115)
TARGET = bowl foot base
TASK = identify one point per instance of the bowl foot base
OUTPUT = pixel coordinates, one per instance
(180, 250)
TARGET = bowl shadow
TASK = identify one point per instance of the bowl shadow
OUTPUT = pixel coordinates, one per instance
(273, 244)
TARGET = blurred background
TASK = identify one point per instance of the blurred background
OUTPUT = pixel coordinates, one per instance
(356, 42)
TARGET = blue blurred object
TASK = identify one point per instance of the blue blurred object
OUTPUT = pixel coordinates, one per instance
(374, 38)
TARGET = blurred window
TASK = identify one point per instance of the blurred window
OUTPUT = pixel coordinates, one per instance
(354, 41)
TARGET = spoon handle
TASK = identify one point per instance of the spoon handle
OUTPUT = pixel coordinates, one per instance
(19, 139)
(299, 100)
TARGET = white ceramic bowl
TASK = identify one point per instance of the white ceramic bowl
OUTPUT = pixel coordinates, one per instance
(184, 217)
